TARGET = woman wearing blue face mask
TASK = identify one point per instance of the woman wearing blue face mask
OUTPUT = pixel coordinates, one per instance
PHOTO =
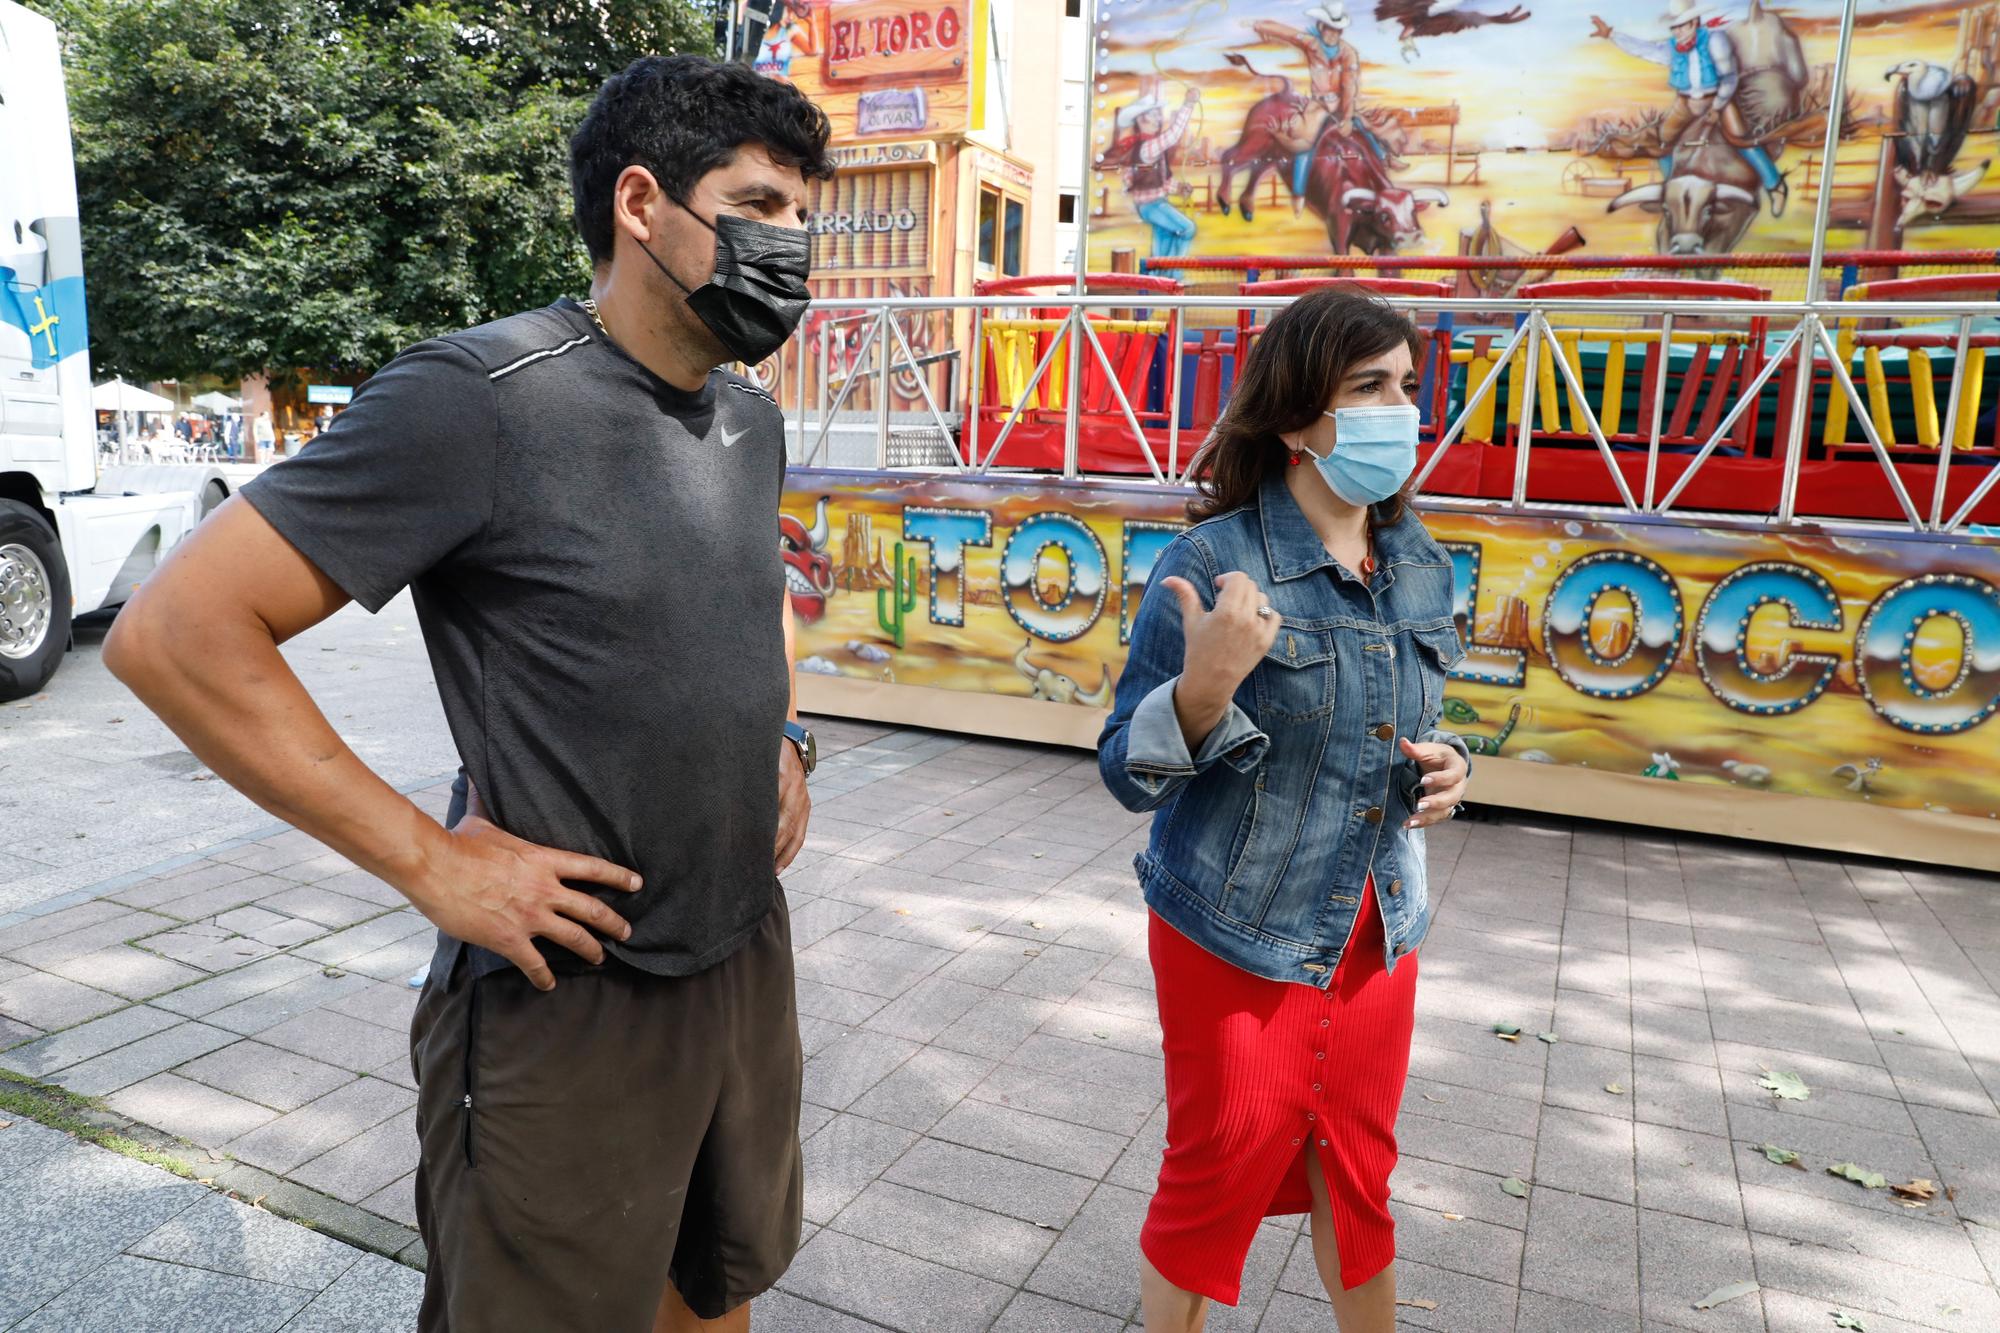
(1278, 713)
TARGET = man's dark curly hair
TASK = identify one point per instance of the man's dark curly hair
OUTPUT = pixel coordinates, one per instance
(681, 117)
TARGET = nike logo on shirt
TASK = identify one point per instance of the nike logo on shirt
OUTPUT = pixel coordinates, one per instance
(729, 438)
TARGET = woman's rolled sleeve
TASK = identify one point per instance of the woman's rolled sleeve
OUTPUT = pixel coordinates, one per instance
(1141, 754)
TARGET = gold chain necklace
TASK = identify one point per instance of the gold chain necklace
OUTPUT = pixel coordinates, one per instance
(589, 305)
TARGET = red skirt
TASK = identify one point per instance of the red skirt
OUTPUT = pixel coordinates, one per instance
(1261, 1072)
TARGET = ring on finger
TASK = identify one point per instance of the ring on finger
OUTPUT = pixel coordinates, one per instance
(1265, 612)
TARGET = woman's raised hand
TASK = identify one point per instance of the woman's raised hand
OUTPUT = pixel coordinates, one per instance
(1225, 644)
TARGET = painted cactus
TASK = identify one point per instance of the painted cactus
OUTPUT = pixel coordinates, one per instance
(894, 603)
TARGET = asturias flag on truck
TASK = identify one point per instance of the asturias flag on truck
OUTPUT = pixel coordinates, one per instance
(52, 316)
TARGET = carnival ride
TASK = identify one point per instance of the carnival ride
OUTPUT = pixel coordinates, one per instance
(1687, 498)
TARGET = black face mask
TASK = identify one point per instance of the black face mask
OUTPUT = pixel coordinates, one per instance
(758, 294)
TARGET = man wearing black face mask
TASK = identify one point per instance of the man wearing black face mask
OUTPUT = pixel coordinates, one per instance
(582, 504)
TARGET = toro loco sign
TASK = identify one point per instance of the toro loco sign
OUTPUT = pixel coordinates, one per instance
(1861, 667)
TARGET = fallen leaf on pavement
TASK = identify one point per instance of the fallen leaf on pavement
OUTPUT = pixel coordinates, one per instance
(1615, 1089)
(902, 911)
(1548, 1037)
(1507, 1031)
(1873, 1180)
(1782, 1156)
(1429, 1098)
(1515, 1186)
(1784, 1085)
(1031, 953)
(333, 972)
(1721, 1294)
(6, 1124)
(1848, 1321)
(1036, 925)
(1417, 1302)
(1923, 1191)
(1951, 1193)
(1040, 855)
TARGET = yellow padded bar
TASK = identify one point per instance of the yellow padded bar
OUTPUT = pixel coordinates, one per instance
(1974, 371)
(1614, 388)
(1568, 341)
(1925, 393)
(1836, 397)
(1545, 391)
(1878, 394)
(1647, 337)
(1479, 426)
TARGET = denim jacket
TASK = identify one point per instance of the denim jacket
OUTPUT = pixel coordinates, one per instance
(1263, 840)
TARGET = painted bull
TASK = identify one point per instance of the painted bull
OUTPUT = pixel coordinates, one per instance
(808, 567)
(1260, 148)
(1362, 207)
(1708, 202)
(1347, 186)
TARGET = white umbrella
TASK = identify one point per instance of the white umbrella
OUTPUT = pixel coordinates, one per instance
(118, 396)
(217, 402)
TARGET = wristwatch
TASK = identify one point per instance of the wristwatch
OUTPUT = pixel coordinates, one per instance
(807, 747)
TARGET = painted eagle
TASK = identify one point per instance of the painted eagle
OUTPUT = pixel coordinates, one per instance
(1439, 18)
(1933, 112)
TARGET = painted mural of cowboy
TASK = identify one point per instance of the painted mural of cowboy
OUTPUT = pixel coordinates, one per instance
(1703, 71)
(1335, 69)
(1147, 135)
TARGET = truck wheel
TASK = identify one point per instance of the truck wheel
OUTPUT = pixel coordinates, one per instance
(34, 601)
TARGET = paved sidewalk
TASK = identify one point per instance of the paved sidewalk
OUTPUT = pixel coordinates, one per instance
(90, 1240)
(983, 1087)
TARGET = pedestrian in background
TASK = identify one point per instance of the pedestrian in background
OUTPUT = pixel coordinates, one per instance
(1278, 713)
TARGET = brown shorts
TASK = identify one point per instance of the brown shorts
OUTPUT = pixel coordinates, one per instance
(581, 1148)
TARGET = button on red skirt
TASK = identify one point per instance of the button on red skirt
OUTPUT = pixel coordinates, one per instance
(1259, 1074)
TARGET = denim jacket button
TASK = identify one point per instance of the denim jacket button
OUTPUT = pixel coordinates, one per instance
(1395, 887)
(1386, 731)
(1373, 814)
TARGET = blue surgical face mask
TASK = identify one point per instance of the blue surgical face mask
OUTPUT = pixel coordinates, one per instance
(1374, 452)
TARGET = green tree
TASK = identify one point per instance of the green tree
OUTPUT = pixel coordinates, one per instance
(270, 184)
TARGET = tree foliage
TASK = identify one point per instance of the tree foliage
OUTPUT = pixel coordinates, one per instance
(270, 184)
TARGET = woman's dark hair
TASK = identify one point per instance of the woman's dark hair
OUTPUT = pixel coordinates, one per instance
(1299, 360)
(681, 117)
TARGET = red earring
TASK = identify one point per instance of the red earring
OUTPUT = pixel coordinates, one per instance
(1293, 461)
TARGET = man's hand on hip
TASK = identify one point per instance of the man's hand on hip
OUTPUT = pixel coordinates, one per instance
(499, 892)
(794, 803)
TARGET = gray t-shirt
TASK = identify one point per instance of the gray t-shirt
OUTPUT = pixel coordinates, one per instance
(594, 559)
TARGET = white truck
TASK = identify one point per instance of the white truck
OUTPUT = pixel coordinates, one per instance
(73, 539)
